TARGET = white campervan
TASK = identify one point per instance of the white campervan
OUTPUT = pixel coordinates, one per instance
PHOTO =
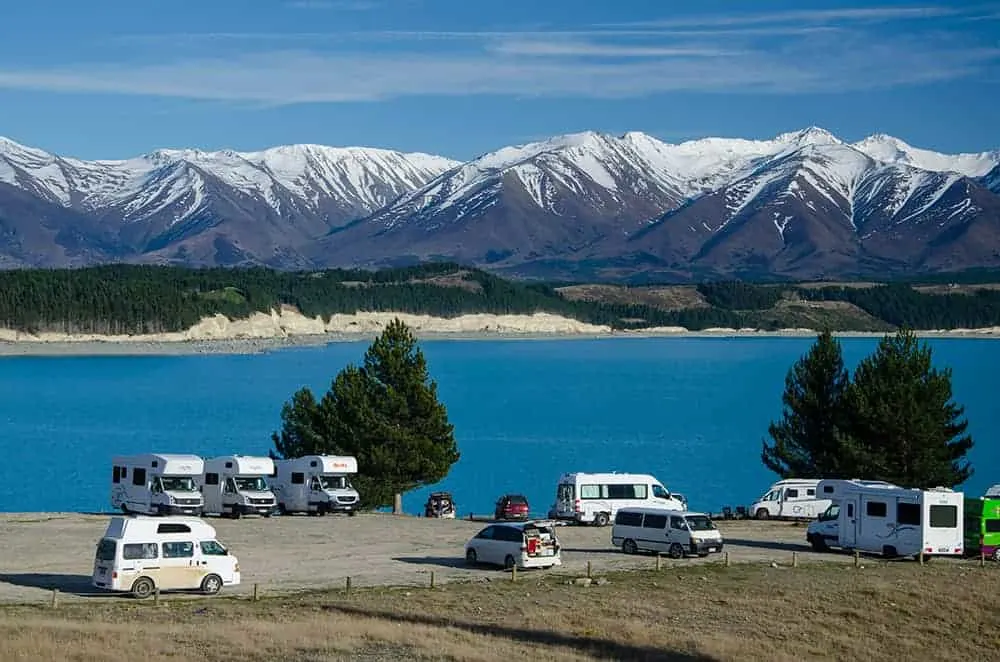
(678, 533)
(316, 484)
(595, 498)
(157, 484)
(142, 554)
(883, 518)
(236, 485)
(793, 498)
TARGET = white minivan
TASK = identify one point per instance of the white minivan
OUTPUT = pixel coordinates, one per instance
(595, 498)
(531, 544)
(140, 555)
(678, 533)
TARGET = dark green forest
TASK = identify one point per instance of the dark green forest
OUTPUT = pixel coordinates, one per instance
(134, 299)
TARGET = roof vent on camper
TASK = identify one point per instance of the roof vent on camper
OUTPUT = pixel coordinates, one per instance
(313, 463)
(229, 465)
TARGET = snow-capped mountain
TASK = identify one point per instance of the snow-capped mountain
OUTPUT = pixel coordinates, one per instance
(803, 203)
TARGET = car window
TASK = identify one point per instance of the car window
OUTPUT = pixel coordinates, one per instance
(212, 548)
(175, 550)
(487, 533)
(510, 534)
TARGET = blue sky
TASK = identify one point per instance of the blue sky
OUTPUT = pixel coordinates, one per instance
(115, 78)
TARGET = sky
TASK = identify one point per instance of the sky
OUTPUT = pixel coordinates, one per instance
(117, 78)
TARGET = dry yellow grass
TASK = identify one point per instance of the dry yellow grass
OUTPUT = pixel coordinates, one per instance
(882, 611)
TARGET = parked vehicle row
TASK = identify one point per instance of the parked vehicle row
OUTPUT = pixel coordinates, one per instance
(232, 485)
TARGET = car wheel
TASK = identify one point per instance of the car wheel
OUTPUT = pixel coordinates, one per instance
(143, 588)
(762, 513)
(508, 562)
(818, 544)
(676, 551)
(601, 519)
(124, 509)
(470, 557)
(629, 547)
(351, 513)
(211, 584)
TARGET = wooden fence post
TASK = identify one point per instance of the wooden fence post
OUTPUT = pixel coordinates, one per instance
(658, 561)
(432, 579)
(55, 598)
(347, 585)
(795, 559)
(857, 559)
(513, 573)
(726, 559)
(589, 570)
(256, 593)
(982, 559)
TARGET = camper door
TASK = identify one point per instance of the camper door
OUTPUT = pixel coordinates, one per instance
(849, 521)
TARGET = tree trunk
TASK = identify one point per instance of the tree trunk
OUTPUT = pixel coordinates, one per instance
(397, 504)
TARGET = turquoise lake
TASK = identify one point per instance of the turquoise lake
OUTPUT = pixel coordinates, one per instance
(691, 411)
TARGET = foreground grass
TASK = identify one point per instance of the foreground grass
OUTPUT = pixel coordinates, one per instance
(882, 611)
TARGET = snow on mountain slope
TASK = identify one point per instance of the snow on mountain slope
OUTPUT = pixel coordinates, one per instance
(893, 150)
(347, 182)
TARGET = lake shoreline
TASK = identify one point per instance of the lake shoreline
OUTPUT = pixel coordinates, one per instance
(139, 346)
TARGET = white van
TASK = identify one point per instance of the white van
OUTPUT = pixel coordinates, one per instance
(793, 498)
(236, 485)
(157, 484)
(316, 484)
(678, 533)
(890, 520)
(595, 498)
(139, 555)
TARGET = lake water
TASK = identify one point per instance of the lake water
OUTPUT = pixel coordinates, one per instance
(691, 411)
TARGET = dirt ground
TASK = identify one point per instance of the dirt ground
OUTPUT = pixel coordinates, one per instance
(40, 552)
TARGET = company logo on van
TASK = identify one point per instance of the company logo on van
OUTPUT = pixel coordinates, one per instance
(340, 465)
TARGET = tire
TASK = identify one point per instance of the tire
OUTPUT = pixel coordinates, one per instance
(762, 514)
(509, 563)
(351, 513)
(818, 544)
(124, 509)
(211, 584)
(676, 551)
(282, 510)
(629, 547)
(601, 519)
(889, 552)
(142, 588)
(267, 513)
(235, 514)
(470, 557)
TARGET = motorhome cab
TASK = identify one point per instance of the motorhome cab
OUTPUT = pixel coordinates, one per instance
(316, 484)
(890, 520)
(678, 533)
(236, 485)
(596, 498)
(157, 484)
(791, 499)
(139, 555)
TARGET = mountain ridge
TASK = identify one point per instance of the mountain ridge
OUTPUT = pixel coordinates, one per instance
(804, 203)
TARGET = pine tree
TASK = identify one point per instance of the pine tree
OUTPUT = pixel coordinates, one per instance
(385, 413)
(809, 440)
(905, 427)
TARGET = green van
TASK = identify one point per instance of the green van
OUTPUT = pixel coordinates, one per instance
(982, 527)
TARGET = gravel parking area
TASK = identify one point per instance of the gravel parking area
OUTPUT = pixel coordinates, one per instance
(42, 551)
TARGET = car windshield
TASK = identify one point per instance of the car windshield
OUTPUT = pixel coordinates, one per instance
(700, 523)
(177, 483)
(251, 483)
(517, 499)
(334, 482)
(830, 513)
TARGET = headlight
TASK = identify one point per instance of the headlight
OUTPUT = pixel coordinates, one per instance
(698, 541)
(170, 499)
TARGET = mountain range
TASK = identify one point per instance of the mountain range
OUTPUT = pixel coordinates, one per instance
(584, 206)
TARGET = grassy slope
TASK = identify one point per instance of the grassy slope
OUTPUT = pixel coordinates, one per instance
(882, 611)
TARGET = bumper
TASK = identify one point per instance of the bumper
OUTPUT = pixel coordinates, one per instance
(539, 561)
(334, 507)
(989, 551)
(175, 509)
(255, 509)
(707, 547)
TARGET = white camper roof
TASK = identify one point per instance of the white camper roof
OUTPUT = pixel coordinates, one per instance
(993, 492)
(164, 464)
(241, 465)
(150, 528)
(325, 464)
(609, 477)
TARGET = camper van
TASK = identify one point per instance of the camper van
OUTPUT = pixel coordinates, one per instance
(794, 498)
(236, 485)
(157, 484)
(890, 520)
(595, 498)
(140, 555)
(677, 533)
(316, 484)
(982, 527)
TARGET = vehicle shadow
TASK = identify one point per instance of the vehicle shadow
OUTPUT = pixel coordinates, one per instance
(768, 544)
(78, 585)
(604, 648)
(441, 561)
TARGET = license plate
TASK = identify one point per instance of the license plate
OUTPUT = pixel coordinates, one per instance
(711, 549)
(943, 549)
(101, 571)
(546, 552)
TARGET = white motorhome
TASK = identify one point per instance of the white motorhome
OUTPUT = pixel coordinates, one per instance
(678, 533)
(316, 484)
(236, 485)
(157, 484)
(140, 555)
(793, 498)
(882, 518)
(595, 498)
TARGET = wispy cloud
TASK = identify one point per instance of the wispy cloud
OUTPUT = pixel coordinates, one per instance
(722, 53)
